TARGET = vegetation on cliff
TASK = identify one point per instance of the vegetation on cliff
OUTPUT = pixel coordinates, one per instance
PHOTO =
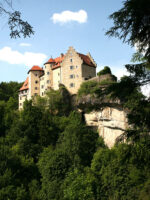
(48, 153)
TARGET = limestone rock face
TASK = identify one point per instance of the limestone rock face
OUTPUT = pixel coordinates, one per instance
(110, 123)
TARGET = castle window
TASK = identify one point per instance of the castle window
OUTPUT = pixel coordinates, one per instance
(48, 81)
(48, 73)
(36, 74)
(35, 94)
(36, 88)
(71, 67)
(72, 85)
(20, 104)
(72, 76)
(58, 74)
(71, 60)
(42, 86)
(42, 93)
(76, 66)
(20, 98)
(36, 82)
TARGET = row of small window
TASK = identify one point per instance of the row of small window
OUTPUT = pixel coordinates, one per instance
(73, 76)
(23, 92)
(73, 67)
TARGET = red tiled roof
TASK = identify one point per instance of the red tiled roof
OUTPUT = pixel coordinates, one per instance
(56, 66)
(59, 59)
(56, 60)
(51, 60)
(86, 60)
(25, 85)
(36, 68)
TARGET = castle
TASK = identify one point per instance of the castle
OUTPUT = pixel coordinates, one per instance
(70, 70)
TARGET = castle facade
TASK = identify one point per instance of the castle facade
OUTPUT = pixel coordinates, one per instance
(70, 69)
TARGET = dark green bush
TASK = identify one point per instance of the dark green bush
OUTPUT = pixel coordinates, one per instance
(104, 71)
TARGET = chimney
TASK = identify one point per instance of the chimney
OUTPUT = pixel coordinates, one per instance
(62, 55)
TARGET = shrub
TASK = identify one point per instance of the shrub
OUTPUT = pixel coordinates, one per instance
(88, 87)
(106, 70)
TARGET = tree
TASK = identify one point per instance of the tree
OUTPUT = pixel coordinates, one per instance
(104, 71)
(132, 24)
(80, 184)
(16, 24)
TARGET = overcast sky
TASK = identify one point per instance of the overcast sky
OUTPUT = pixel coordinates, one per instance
(59, 24)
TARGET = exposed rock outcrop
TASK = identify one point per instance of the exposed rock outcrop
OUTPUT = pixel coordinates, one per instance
(110, 123)
(104, 113)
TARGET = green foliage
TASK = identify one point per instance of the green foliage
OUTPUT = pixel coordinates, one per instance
(131, 24)
(80, 184)
(88, 87)
(104, 71)
(58, 101)
(47, 152)
(95, 88)
(2, 116)
(78, 140)
(8, 90)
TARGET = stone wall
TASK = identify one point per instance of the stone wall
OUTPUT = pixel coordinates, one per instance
(110, 123)
(56, 78)
(102, 78)
(71, 71)
(88, 72)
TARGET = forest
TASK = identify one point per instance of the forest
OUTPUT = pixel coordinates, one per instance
(48, 153)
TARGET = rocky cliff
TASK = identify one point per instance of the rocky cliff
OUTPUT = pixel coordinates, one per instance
(106, 116)
(110, 123)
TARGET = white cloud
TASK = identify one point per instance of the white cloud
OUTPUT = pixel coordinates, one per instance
(25, 44)
(68, 16)
(28, 58)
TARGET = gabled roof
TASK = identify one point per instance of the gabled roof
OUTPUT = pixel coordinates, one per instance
(25, 85)
(86, 60)
(57, 61)
(35, 68)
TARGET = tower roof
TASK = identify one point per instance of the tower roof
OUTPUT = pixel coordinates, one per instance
(51, 60)
(35, 68)
(57, 60)
(25, 85)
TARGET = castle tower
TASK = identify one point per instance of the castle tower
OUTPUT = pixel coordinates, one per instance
(34, 80)
(46, 80)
